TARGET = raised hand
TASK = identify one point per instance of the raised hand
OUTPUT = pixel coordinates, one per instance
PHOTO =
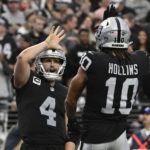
(54, 38)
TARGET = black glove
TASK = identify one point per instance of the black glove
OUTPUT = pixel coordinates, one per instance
(110, 12)
(73, 131)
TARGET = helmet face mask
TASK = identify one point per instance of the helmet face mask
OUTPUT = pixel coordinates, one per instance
(113, 33)
(51, 76)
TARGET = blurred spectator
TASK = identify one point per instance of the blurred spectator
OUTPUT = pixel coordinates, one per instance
(74, 55)
(96, 22)
(36, 35)
(81, 9)
(7, 43)
(50, 9)
(69, 25)
(121, 8)
(30, 16)
(87, 23)
(76, 5)
(142, 41)
(14, 16)
(102, 7)
(13, 139)
(144, 92)
(94, 5)
(136, 125)
(6, 47)
(45, 12)
(24, 42)
(141, 138)
(66, 12)
(28, 4)
(63, 14)
(62, 4)
(141, 7)
(52, 14)
(5, 89)
(134, 28)
(3, 7)
(50, 5)
(91, 25)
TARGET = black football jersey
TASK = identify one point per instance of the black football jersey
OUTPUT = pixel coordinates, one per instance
(41, 111)
(7, 47)
(111, 91)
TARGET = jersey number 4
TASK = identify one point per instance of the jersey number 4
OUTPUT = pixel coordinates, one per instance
(111, 84)
(47, 109)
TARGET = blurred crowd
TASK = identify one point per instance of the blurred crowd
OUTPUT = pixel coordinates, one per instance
(27, 22)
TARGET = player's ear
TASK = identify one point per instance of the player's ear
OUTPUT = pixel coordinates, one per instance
(110, 12)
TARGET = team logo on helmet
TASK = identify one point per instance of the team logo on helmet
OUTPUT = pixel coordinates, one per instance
(113, 33)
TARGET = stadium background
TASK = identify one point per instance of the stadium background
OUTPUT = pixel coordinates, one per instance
(27, 22)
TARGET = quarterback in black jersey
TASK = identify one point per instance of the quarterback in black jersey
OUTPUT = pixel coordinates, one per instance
(112, 77)
(40, 97)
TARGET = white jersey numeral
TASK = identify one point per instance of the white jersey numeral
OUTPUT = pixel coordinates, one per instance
(47, 109)
(111, 84)
(6, 50)
(85, 63)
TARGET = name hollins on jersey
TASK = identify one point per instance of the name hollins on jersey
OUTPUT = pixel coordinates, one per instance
(123, 70)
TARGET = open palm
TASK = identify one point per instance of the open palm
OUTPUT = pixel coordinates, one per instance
(55, 36)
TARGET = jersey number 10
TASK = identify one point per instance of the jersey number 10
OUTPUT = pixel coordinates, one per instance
(111, 84)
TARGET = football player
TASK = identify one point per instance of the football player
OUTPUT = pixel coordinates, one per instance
(40, 97)
(112, 76)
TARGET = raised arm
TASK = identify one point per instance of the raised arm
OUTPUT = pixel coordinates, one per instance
(22, 68)
(70, 146)
(76, 86)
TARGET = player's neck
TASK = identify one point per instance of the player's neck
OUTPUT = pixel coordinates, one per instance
(52, 83)
(113, 53)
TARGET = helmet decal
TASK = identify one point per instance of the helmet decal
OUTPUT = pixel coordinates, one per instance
(113, 33)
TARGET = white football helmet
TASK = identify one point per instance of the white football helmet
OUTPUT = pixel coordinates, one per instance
(50, 54)
(113, 33)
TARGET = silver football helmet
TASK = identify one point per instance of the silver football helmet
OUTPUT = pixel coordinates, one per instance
(113, 33)
(50, 54)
